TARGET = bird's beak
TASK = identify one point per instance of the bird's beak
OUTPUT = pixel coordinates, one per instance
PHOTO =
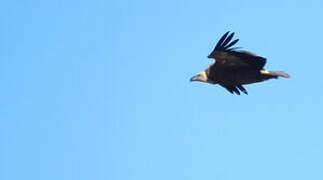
(194, 78)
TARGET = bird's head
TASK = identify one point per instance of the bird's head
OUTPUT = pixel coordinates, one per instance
(200, 77)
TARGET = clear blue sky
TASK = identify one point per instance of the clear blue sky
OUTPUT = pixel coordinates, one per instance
(99, 90)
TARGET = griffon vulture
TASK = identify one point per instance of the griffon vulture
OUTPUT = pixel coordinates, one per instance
(233, 68)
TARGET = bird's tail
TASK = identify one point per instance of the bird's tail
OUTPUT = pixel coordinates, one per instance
(274, 73)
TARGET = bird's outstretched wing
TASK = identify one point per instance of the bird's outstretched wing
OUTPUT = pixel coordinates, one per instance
(227, 55)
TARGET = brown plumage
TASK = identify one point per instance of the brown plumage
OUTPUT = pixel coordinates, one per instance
(234, 68)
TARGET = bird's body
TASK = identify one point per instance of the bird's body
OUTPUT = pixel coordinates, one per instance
(233, 68)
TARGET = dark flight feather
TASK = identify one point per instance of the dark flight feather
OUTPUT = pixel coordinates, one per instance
(221, 40)
(231, 89)
(231, 44)
(241, 88)
(236, 90)
(226, 41)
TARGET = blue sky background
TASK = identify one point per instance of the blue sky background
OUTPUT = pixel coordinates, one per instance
(99, 90)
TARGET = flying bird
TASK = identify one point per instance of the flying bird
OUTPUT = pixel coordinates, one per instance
(233, 68)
